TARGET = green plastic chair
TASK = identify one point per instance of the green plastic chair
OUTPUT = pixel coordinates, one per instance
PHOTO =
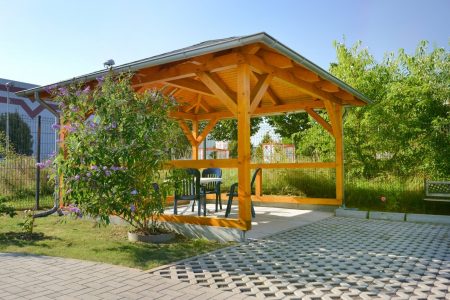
(189, 189)
(234, 193)
(213, 187)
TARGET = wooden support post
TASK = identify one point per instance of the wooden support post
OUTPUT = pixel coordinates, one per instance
(194, 134)
(339, 154)
(243, 117)
(258, 184)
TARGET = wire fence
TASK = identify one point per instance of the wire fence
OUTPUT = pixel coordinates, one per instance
(25, 186)
(388, 192)
(29, 141)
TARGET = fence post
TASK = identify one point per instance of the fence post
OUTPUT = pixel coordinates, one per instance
(38, 160)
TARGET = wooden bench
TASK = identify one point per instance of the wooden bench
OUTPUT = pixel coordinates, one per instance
(437, 191)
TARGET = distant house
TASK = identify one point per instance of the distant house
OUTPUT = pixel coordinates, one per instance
(214, 149)
(278, 152)
(29, 110)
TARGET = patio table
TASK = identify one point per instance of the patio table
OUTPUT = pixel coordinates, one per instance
(203, 181)
(206, 180)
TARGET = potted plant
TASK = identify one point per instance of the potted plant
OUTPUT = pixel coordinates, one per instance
(116, 143)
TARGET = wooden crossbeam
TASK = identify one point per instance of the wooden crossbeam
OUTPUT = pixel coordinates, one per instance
(291, 107)
(259, 90)
(218, 87)
(191, 85)
(320, 120)
(259, 111)
(305, 87)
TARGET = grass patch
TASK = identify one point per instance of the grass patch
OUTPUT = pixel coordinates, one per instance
(23, 202)
(81, 239)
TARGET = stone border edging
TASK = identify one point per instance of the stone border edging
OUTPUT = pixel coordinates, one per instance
(392, 216)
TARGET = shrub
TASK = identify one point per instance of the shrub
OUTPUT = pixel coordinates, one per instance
(112, 158)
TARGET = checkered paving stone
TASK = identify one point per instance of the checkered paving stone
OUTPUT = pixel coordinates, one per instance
(336, 258)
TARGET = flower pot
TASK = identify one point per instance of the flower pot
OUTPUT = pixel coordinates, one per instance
(156, 238)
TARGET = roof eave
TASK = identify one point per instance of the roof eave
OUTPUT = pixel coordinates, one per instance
(220, 46)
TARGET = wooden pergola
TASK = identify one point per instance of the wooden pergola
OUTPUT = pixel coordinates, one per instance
(241, 78)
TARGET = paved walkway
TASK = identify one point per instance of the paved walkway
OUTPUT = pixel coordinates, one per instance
(330, 259)
(43, 277)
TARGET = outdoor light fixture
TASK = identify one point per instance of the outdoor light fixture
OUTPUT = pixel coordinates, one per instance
(109, 63)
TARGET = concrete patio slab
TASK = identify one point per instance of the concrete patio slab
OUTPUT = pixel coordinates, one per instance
(268, 221)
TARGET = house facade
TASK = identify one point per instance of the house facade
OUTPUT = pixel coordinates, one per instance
(28, 111)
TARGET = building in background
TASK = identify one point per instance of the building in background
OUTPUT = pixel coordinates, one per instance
(28, 111)
(214, 150)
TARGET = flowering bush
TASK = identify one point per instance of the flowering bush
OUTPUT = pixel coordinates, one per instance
(116, 142)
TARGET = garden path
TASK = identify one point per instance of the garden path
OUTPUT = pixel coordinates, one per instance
(329, 259)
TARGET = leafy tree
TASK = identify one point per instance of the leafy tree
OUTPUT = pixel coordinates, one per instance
(19, 133)
(288, 124)
(406, 129)
(226, 130)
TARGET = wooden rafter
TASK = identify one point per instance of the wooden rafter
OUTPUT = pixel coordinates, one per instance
(344, 95)
(320, 120)
(305, 87)
(203, 104)
(186, 69)
(191, 107)
(250, 49)
(304, 74)
(218, 87)
(192, 85)
(259, 90)
(327, 86)
(276, 59)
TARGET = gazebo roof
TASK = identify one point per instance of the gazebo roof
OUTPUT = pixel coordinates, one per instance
(202, 78)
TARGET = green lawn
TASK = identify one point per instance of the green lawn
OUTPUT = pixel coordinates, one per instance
(80, 239)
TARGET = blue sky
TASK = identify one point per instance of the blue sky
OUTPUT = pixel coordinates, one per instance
(47, 41)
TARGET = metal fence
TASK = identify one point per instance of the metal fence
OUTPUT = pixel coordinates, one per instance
(29, 141)
(390, 192)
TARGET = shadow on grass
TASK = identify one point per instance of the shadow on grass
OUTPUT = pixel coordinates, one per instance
(147, 255)
(21, 239)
